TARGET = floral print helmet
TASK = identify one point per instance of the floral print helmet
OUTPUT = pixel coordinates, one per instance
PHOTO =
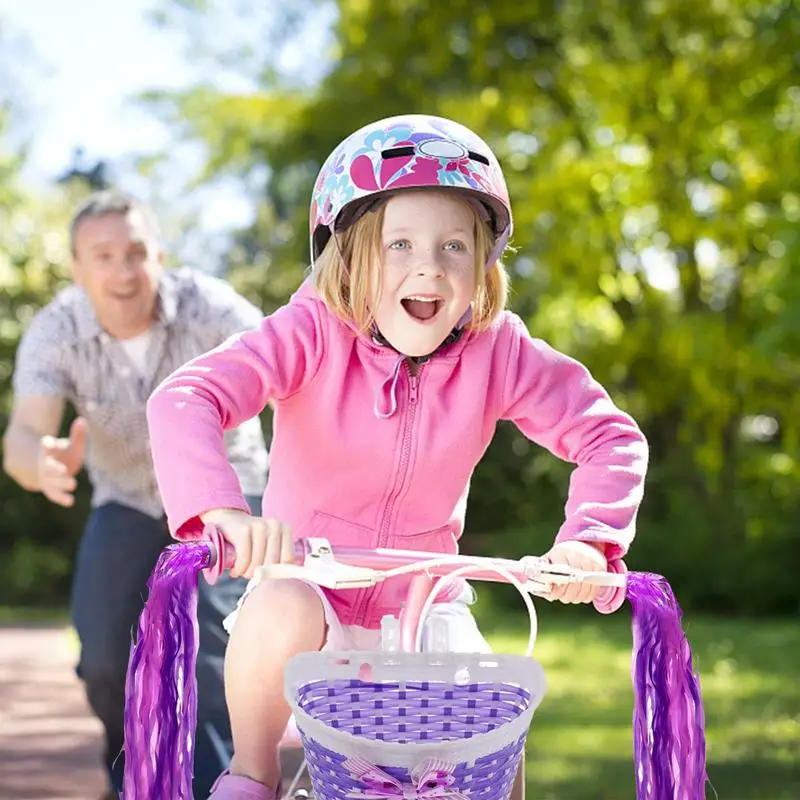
(407, 152)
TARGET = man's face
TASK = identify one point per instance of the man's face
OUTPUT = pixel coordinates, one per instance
(118, 264)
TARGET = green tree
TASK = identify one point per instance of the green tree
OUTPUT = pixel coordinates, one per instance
(38, 539)
(651, 151)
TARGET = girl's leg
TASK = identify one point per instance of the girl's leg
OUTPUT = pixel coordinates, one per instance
(279, 619)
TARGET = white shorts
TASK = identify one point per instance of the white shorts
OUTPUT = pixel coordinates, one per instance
(463, 634)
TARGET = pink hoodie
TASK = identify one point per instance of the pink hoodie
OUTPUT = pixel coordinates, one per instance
(365, 454)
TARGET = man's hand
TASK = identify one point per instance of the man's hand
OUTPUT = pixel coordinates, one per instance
(60, 460)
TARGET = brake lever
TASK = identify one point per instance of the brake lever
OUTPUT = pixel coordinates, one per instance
(320, 567)
(540, 571)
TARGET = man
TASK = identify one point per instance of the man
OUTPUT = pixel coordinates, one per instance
(103, 345)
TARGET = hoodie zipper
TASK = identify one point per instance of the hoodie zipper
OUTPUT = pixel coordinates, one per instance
(400, 480)
(405, 457)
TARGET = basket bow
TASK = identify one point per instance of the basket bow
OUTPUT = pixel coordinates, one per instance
(429, 779)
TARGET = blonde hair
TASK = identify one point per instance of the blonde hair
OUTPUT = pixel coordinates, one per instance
(343, 284)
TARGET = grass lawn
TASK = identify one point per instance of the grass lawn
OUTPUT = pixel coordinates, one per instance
(16, 616)
(580, 745)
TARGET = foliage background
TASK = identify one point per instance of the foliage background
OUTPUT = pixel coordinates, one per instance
(652, 154)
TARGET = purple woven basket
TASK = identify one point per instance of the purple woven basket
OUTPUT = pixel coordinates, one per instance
(416, 725)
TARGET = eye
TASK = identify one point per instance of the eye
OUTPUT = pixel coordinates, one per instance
(455, 246)
(400, 244)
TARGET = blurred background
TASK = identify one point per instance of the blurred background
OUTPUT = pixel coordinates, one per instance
(652, 150)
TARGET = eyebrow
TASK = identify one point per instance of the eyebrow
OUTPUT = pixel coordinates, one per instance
(105, 243)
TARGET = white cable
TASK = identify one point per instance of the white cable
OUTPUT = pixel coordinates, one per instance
(476, 561)
(421, 566)
(507, 574)
(486, 564)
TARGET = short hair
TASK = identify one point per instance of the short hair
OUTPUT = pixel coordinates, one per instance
(106, 202)
(341, 273)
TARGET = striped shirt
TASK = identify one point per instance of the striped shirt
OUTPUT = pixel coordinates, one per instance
(65, 353)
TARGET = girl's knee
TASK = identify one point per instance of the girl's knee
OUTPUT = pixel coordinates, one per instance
(282, 609)
(284, 598)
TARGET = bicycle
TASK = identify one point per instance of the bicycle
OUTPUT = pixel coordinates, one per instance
(400, 722)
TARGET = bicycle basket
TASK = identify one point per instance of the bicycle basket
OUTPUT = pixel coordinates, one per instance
(414, 725)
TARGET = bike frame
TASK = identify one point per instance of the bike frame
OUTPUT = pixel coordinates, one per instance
(343, 567)
(160, 709)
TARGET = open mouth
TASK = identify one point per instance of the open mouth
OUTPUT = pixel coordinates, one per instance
(421, 307)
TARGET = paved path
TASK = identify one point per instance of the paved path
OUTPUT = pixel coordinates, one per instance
(49, 744)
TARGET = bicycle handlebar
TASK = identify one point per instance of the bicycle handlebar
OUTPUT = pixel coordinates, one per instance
(338, 567)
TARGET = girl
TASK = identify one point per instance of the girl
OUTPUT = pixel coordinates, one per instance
(388, 371)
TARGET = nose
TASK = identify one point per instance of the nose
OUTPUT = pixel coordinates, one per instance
(123, 272)
(430, 263)
(125, 266)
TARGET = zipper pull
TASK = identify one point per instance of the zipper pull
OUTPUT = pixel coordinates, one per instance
(413, 395)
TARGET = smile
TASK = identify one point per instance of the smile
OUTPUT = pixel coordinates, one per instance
(422, 307)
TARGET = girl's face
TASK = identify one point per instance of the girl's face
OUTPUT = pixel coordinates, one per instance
(427, 270)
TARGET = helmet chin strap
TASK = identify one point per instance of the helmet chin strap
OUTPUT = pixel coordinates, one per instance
(451, 338)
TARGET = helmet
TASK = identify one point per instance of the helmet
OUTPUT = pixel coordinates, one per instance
(407, 152)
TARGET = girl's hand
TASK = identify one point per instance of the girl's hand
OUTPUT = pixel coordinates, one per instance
(257, 541)
(580, 555)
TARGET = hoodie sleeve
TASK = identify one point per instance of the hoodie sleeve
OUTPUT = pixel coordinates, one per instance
(188, 413)
(556, 403)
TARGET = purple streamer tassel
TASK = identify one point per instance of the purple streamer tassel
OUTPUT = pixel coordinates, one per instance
(668, 722)
(161, 690)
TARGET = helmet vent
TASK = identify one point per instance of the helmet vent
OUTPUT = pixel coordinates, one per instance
(435, 148)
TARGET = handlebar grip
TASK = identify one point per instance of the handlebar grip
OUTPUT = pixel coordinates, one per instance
(217, 544)
(611, 598)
